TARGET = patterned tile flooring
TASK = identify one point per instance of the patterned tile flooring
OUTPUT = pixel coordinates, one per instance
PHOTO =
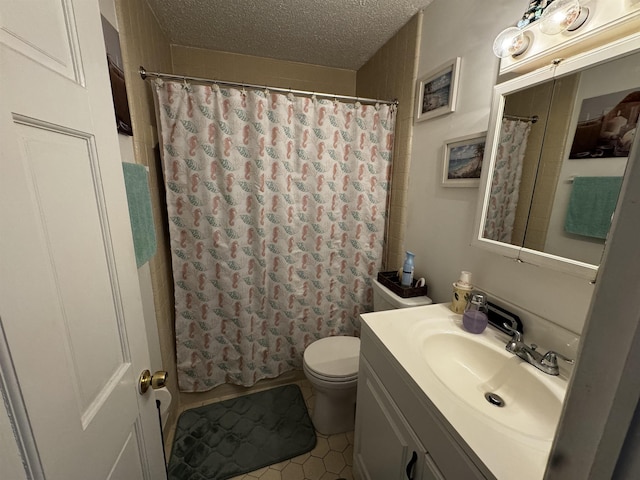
(331, 459)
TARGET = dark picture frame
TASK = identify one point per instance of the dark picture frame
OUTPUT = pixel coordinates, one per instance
(609, 134)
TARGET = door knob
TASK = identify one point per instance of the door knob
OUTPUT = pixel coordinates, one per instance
(157, 380)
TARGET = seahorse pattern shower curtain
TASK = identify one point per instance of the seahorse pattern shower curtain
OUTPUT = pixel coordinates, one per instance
(277, 211)
(505, 185)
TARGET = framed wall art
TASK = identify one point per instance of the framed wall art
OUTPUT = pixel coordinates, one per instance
(462, 162)
(604, 131)
(437, 91)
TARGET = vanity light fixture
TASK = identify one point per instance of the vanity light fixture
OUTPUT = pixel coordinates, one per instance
(511, 42)
(563, 15)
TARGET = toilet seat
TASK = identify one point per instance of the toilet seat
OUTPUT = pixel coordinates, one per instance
(333, 359)
(334, 380)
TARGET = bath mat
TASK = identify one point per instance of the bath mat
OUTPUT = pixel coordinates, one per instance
(229, 438)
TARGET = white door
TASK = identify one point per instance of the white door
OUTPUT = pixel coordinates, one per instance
(72, 342)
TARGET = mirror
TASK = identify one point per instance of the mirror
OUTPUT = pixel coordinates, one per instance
(557, 152)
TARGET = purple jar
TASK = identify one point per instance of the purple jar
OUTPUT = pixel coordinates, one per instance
(474, 318)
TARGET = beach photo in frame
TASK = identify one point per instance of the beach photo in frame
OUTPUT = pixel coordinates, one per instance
(437, 91)
(462, 162)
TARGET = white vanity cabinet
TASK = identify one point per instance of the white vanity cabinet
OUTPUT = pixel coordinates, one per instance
(386, 447)
(399, 434)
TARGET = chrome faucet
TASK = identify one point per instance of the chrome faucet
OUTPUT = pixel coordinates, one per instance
(547, 363)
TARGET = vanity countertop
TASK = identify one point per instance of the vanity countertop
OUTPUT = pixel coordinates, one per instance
(506, 451)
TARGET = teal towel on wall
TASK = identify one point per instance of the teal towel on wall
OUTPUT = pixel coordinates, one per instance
(591, 204)
(140, 213)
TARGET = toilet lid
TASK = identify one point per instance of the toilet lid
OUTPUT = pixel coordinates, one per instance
(334, 357)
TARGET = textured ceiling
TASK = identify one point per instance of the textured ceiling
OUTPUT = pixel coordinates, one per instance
(334, 33)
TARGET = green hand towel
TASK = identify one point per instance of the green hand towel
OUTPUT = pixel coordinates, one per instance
(140, 213)
(591, 204)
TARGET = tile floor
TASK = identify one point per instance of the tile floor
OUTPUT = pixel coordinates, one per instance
(331, 459)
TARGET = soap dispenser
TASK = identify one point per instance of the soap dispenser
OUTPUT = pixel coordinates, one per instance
(474, 318)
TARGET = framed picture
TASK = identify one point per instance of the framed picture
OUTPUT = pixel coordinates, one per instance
(462, 161)
(609, 134)
(437, 91)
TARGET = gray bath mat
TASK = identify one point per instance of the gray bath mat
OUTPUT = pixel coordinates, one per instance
(236, 436)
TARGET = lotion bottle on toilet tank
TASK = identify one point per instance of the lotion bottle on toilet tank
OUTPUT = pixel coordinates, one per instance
(407, 270)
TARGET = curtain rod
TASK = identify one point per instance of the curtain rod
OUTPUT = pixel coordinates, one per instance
(144, 74)
(532, 119)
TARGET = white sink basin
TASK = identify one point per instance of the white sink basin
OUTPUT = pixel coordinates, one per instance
(454, 369)
(470, 366)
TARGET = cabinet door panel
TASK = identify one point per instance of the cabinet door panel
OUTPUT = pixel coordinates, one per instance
(382, 449)
(385, 446)
(431, 471)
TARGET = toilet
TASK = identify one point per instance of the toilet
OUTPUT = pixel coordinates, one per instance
(331, 366)
(385, 299)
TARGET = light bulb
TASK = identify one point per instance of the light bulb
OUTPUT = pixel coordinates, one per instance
(510, 42)
(563, 15)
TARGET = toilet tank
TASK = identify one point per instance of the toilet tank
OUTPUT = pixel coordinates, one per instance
(385, 299)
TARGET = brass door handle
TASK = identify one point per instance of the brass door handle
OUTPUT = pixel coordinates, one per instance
(157, 380)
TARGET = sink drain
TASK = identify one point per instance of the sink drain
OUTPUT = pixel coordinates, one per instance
(494, 399)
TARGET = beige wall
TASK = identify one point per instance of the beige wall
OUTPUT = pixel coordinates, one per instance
(391, 73)
(143, 43)
(233, 67)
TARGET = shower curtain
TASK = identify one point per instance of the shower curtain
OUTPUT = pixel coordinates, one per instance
(276, 210)
(505, 185)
